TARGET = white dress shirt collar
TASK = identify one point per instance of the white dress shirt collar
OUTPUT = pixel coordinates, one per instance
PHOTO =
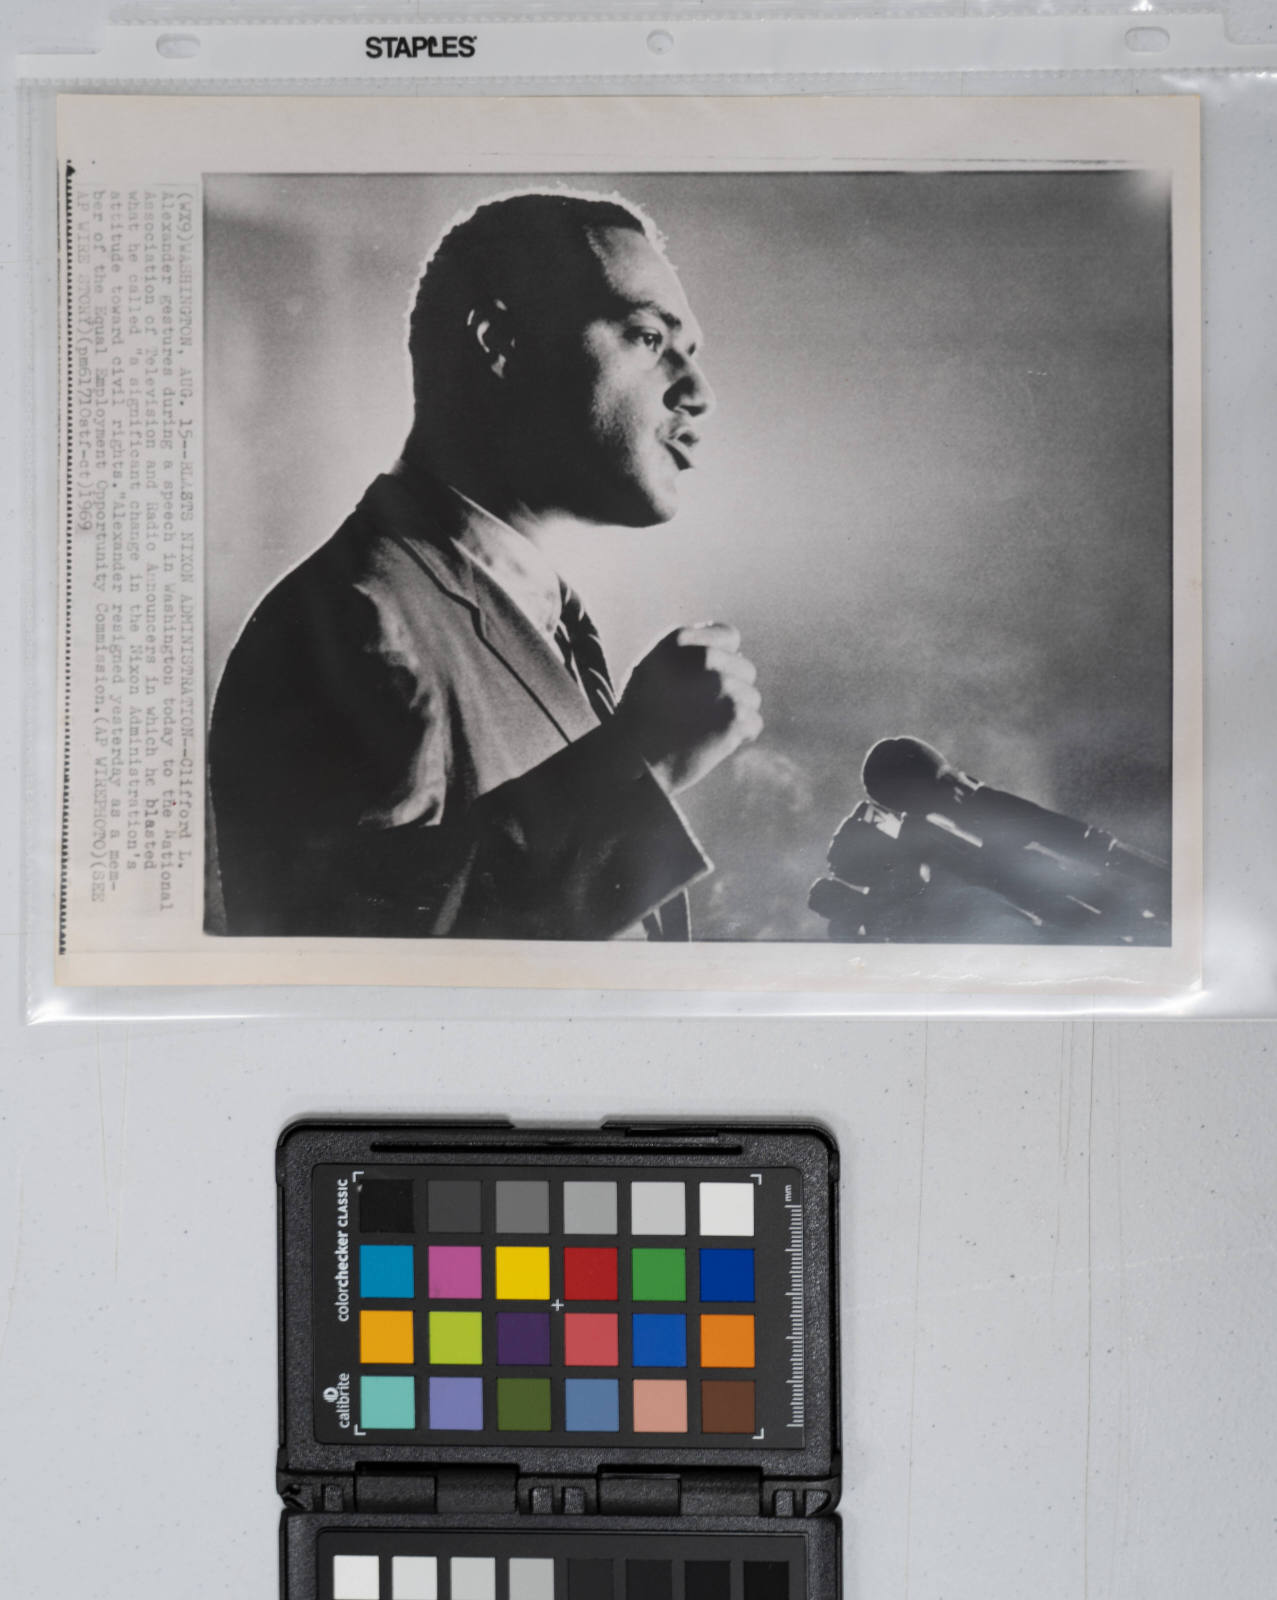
(512, 561)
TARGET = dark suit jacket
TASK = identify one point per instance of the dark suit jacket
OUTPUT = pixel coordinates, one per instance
(396, 751)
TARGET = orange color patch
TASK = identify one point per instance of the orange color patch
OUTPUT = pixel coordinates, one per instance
(727, 1341)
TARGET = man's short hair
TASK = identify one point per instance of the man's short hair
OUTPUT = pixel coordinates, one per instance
(530, 249)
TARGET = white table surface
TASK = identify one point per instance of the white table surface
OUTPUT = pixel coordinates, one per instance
(1059, 1286)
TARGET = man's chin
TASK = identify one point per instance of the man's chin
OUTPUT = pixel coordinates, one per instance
(628, 516)
(645, 510)
(632, 505)
(654, 518)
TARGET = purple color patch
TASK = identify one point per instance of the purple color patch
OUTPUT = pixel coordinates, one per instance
(456, 1272)
(523, 1339)
(456, 1403)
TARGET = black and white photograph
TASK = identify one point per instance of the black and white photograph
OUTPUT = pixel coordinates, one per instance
(655, 504)
(772, 554)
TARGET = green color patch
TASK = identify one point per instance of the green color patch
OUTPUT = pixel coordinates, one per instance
(659, 1274)
(523, 1405)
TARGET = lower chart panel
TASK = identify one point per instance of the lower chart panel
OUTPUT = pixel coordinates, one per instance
(396, 1564)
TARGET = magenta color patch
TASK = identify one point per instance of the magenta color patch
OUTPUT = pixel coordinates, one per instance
(456, 1272)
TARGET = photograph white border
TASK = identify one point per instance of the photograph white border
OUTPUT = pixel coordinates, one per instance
(155, 140)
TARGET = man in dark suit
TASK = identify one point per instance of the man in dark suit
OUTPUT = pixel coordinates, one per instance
(416, 733)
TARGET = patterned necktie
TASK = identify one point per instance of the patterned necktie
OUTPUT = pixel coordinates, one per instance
(582, 651)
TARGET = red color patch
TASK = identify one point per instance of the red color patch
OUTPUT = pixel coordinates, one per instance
(589, 1274)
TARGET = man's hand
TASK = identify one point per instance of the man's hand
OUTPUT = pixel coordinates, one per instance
(690, 703)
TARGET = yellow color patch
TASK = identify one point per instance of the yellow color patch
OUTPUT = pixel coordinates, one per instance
(523, 1272)
(385, 1338)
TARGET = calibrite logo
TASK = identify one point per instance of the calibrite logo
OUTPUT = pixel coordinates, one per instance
(338, 1394)
(394, 46)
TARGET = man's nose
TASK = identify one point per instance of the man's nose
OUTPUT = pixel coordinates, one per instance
(691, 391)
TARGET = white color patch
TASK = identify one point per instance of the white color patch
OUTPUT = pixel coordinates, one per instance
(356, 1578)
(727, 1210)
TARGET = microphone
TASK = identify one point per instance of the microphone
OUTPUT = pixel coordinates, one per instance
(910, 776)
(927, 823)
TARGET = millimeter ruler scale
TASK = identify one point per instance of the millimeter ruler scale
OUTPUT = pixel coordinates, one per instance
(797, 1336)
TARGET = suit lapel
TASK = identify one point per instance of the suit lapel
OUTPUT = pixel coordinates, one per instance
(420, 514)
(532, 659)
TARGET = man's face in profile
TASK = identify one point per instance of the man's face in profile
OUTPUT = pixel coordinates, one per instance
(613, 392)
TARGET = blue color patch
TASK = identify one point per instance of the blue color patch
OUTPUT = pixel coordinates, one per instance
(385, 1271)
(727, 1275)
(592, 1405)
(660, 1339)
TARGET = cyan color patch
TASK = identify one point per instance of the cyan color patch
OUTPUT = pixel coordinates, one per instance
(385, 1271)
(387, 1402)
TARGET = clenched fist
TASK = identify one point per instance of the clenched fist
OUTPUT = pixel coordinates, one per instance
(690, 703)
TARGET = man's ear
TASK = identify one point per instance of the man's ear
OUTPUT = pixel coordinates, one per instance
(492, 329)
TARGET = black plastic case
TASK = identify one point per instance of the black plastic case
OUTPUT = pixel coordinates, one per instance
(750, 1504)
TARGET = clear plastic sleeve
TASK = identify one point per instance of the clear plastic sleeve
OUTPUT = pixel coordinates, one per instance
(986, 308)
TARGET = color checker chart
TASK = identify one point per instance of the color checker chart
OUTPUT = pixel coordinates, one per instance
(474, 1304)
(443, 1566)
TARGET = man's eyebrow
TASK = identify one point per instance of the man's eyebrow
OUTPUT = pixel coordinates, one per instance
(672, 322)
(627, 307)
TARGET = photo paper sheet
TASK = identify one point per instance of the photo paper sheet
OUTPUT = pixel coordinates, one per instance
(900, 398)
